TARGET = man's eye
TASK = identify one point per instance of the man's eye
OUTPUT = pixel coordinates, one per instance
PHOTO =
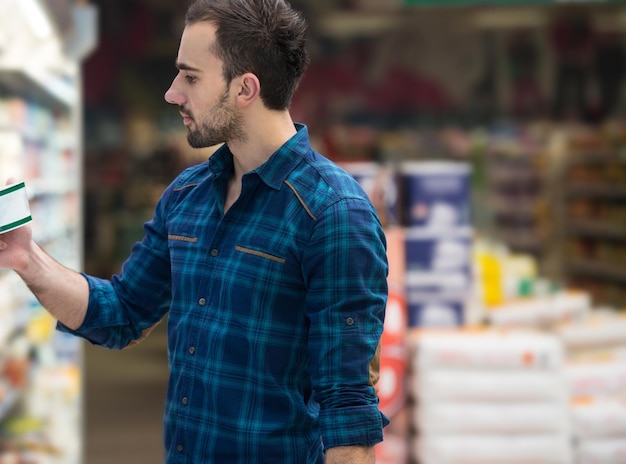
(190, 79)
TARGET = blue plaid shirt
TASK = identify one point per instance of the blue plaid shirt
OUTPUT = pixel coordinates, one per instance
(276, 309)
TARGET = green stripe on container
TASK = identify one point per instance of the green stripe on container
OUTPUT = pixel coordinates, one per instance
(12, 189)
(21, 222)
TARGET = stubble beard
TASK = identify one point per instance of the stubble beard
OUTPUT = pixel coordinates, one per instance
(222, 124)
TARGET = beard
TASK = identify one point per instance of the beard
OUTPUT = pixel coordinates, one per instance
(222, 124)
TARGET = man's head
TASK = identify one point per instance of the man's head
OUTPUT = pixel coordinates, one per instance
(263, 37)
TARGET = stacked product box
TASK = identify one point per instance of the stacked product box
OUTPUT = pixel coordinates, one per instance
(488, 396)
(438, 243)
(596, 375)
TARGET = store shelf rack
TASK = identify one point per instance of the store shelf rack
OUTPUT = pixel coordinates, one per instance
(40, 131)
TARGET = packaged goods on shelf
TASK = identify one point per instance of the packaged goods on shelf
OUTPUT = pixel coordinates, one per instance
(436, 194)
(487, 395)
(485, 349)
(601, 328)
(425, 206)
(439, 261)
(438, 275)
(598, 378)
(599, 418)
(541, 311)
(39, 389)
(505, 417)
(514, 294)
(505, 448)
(604, 451)
(503, 275)
(435, 310)
(490, 385)
(595, 371)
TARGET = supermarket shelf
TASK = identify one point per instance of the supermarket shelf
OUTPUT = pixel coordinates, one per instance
(596, 229)
(600, 157)
(604, 190)
(10, 328)
(57, 186)
(7, 401)
(519, 207)
(508, 176)
(39, 116)
(528, 241)
(596, 269)
(50, 91)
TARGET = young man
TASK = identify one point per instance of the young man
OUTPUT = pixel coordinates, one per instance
(268, 258)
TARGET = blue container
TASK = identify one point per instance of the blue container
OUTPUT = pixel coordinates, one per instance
(435, 310)
(439, 261)
(436, 194)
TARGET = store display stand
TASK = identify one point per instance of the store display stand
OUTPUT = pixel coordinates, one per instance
(40, 136)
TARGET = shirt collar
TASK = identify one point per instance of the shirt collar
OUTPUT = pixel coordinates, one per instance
(276, 169)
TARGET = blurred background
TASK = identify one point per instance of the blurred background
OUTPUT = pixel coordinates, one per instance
(491, 138)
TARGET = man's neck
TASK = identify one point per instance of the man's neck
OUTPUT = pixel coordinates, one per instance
(263, 138)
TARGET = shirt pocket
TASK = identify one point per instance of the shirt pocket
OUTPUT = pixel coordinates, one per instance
(263, 283)
(260, 253)
(184, 250)
(258, 267)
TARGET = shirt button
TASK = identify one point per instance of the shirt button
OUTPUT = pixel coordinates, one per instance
(185, 400)
(214, 252)
(202, 301)
(192, 350)
(350, 321)
(180, 448)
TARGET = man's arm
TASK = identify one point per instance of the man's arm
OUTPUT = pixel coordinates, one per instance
(346, 268)
(62, 291)
(350, 455)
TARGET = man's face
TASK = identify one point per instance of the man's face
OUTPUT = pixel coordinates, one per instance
(200, 91)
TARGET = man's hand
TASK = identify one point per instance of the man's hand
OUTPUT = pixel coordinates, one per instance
(350, 455)
(62, 291)
(15, 245)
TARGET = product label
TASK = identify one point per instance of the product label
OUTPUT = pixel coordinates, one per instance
(14, 208)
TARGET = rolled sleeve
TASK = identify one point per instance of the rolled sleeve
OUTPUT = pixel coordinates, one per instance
(346, 299)
(121, 310)
(352, 426)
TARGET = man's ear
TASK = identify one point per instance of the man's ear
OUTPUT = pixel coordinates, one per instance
(249, 89)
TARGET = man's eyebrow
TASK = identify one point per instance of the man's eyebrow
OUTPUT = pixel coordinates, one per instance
(185, 67)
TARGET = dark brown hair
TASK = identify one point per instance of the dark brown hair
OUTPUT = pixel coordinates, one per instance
(264, 37)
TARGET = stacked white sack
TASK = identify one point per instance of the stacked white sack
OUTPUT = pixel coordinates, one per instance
(489, 396)
(596, 375)
(541, 312)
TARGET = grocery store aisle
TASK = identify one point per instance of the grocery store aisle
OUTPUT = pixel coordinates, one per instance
(124, 398)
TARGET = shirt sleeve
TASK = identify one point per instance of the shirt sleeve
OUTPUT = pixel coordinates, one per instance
(124, 309)
(346, 275)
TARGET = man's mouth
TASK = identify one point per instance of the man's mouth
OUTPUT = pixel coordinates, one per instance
(187, 119)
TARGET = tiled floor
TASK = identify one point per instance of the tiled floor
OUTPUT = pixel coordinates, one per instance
(124, 398)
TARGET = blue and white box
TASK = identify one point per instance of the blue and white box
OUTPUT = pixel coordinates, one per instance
(435, 310)
(439, 261)
(436, 194)
(438, 275)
